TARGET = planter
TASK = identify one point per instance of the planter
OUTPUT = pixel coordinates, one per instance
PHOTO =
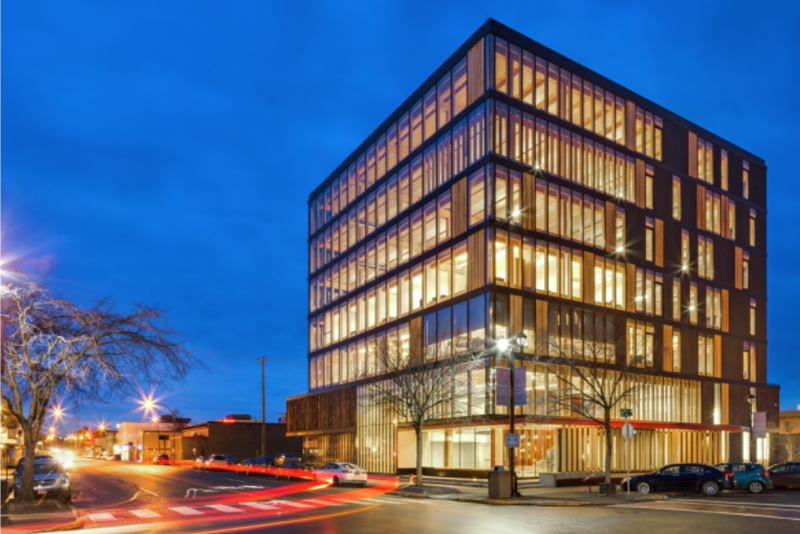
(608, 489)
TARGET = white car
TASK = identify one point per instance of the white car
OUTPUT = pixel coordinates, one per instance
(341, 473)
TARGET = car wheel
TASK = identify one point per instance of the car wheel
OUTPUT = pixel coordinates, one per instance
(643, 488)
(755, 486)
(710, 488)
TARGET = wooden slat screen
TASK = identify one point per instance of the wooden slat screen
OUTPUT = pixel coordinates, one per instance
(718, 356)
(588, 278)
(725, 316)
(725, 212)
(668, 348)
(701, 207)
(416, 345)
(324, 411)
(541, 326)
(475, 77)
(692, 155)
(725, 404)
(640, 187)
(630, 289)
(611, 218)
(659, 252)
(528, 201)
(630, 125)
(737, 275)
(476, 252)
(460, 207)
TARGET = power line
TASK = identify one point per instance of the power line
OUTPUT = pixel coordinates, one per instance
(248, 356)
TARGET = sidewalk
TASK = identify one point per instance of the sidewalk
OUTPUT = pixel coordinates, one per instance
(569, 496)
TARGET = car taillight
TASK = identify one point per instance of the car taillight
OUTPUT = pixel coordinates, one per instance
(764, 474)
(728, 475)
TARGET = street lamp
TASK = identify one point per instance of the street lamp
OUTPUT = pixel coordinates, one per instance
(507, 347)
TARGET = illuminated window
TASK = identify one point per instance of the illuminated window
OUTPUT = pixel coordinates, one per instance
(745, 270)
(745, 179)
(693, 303)
(648, 187)
(676, 198)
(676, 350)
(705, 258)
(477, 197)
(745, 361)
(501, 65)
(460, 266)
(705, 355)
(752, 227)
(685, 258)
(752, 317)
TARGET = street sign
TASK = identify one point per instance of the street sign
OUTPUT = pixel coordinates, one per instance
(626, 412)
(627, 431)
(760, 425)
(502, 391)
(512, 441)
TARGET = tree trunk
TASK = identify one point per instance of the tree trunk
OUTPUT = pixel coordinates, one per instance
(26, 493)
(609, 442)
(418, 430)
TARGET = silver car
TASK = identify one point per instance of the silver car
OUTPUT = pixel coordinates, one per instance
(49, 479)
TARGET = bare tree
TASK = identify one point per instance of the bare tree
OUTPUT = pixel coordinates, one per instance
(591, 381)
(55, 349)
(792, 446)
(419, 384)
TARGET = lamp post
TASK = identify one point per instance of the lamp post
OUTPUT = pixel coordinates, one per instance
(263, 413)
(751, 399)
(507, 348)
(148, 404)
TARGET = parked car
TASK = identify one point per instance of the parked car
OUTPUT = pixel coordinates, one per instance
(280, 459)
(255, 466)
(683, 477)
(199, 462)
(220, 461)
(49, 479)
(746, 475)
(293, 469)
(341, 473)
(161, 459)
(785, 474)
(36, 458)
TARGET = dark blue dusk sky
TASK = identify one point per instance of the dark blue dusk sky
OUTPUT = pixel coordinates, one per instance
(164, 152)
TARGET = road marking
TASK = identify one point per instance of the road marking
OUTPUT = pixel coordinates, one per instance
(295, 504)
(323, 503)
(224, 508)
(415, 501)
(185, 510)
(370, 500)
(145, 514)
(260, 506)
(361, 503)
(767, 506)
(738, 503)
(707, 512)
(150, 492)
(101, 517)
(343, 501)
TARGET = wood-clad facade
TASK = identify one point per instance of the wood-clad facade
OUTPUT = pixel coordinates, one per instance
(549, 200)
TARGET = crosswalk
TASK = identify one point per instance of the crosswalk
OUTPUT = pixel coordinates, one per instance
(243, 507)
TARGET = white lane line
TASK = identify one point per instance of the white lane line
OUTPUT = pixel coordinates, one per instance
(150, 492)
(370, 500)
(101, 517)
(144, 514)
(260, 506)
(415, 501)
(295, 504)
(185, 510)
(760, 507)
(224, 508)
(323, 503)
(362, 503)
(737, 503)
(705, 512)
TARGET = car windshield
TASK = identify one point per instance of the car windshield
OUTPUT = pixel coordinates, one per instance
(350, 466)
(47, 468)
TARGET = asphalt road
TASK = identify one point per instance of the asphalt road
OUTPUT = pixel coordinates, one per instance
(114, 497)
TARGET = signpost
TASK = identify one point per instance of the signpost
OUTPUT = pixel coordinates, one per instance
(759, 425)
(627, 433)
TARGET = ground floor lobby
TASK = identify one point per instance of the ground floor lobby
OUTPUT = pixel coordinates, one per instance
(471, 450)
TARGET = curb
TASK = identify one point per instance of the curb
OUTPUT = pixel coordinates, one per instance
(71, 515)
(503, 502)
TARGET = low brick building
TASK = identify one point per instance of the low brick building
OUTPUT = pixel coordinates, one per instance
(236, 435)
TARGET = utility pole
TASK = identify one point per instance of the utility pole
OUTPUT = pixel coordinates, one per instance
(263, 412)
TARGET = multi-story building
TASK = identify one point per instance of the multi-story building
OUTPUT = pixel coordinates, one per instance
(517, 190)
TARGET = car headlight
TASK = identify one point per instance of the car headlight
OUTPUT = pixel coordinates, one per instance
(64, 482)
